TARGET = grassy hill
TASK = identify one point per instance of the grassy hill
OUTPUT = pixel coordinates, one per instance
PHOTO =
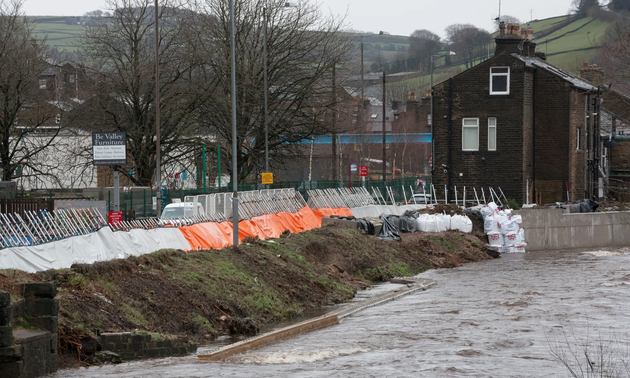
(60, 32)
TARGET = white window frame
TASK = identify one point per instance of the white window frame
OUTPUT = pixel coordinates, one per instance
(506, 74)
(464, 127)
(577, 142)
(492, 120)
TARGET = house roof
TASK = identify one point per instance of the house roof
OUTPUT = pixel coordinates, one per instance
(575, 81)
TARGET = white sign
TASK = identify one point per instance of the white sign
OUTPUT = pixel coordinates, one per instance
(109, 148)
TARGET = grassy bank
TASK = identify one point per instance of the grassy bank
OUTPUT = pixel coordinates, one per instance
(207, 293)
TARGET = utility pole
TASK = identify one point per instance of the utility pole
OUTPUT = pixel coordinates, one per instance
(334, 126)
(384, 135)
(158, 179)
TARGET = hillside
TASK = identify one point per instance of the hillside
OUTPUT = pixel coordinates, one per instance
(60, 32)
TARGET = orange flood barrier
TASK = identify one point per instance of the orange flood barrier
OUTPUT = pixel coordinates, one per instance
(218, 235)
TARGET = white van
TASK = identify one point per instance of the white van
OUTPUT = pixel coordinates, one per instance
(182, 210)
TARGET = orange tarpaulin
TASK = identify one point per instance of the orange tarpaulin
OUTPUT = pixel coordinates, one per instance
(218, 235)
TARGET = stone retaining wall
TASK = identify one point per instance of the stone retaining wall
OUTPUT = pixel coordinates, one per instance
(134, 346)
(28, 331)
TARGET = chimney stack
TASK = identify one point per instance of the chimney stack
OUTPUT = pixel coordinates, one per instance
(593, 74)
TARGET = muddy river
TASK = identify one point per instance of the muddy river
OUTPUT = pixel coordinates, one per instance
(500, 318)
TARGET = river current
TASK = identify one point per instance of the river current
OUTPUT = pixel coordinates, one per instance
(498, 318)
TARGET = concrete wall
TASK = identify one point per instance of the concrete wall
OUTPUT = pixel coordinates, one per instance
(550, 229)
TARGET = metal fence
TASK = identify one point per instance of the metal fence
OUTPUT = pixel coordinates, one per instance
(141, 201)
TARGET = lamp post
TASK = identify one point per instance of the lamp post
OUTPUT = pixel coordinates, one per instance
(265, 84)
(234, 135)
(158, 179)
(431, 93)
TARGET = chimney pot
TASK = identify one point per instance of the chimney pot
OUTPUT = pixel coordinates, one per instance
(530, 34)
(585, 65)
(501, 28)
(523, 33)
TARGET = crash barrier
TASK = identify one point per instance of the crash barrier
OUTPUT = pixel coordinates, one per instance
(47, 226)
(501, 226)
(251, 204)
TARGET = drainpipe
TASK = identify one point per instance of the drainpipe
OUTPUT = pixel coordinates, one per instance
(450, 130)
(534, 139)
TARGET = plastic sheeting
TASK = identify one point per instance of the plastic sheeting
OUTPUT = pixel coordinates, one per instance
(107, 245)
(377, 210)
(98, 246)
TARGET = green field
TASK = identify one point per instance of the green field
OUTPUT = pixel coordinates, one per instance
(58, 31)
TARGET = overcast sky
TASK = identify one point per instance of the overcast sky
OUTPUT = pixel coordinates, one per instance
(400, 17)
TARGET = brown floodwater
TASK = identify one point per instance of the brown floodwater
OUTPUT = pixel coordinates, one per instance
(497, 318)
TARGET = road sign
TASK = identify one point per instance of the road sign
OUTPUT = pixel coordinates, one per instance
(431, 162)
(109, 148)
(353, 168)
(267, 178)
(114, 217)
(363, 171)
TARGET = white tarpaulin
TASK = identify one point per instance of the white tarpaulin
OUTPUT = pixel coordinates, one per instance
(98, 246)
(377, 210)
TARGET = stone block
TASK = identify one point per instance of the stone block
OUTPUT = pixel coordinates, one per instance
(12, 369)
(135, 345)
(140, 338)
(41, 307)
(6, 316)
(6, 336)
(46, 323)
(17, 310)
(39, 290)
(109, 346)
(192, 348)
(54, 342)
(11, 353)
(5, 299)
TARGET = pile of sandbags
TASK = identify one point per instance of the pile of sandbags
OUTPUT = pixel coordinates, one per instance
(443, 222)
(504, 234)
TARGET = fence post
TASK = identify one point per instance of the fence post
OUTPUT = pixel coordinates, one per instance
(131, 198)
(109, 199)
(144, 195)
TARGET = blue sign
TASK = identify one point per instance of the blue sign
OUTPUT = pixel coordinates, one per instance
(353, 168)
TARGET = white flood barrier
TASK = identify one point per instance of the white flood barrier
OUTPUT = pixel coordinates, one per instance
(102, 245)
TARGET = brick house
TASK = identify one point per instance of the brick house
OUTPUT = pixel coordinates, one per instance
(518, 123)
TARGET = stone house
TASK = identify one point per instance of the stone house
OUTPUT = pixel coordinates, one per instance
(518, 123)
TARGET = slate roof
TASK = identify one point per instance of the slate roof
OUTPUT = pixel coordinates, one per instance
(539, 63)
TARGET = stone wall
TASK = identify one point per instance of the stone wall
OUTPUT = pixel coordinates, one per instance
(28, 331)
(134, 346)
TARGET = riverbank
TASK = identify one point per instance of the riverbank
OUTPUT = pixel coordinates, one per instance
(205, 294)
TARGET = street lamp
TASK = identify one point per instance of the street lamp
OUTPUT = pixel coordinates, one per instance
(265, 85)
(362, 102)
(158, 179)
(234, 135)
(431, 93)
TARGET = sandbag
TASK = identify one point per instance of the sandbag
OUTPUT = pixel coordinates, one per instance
(510, 238)
(520, 239)
(495, 239)
(489, 225)
(432, 223)
(461, 223)
(421, 222)
(509, 226)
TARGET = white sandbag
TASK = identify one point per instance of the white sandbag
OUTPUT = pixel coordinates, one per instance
(432, 223)
(508, 226)
(517, 218)
(421, 222)
(499, 218)
(510, 238)
(461, 223)
(486, 211)
(521, 236)
(489, 225)
(444, 222)
(495, 239)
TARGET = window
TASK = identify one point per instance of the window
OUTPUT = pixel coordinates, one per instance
(429, 120)
(492, 134)
(577, 142)
(499, 80)
(42, 83)
(470, 134)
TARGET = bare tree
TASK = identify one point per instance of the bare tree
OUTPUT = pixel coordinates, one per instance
(302, 49)
(614, 56)
(25, 104)
(122, 55)
(422, 44)
(467, 41)
(582, 7)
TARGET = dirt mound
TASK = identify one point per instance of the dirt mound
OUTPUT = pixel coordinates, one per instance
(207, 293)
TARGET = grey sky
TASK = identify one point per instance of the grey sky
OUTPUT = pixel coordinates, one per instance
(399, 17)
